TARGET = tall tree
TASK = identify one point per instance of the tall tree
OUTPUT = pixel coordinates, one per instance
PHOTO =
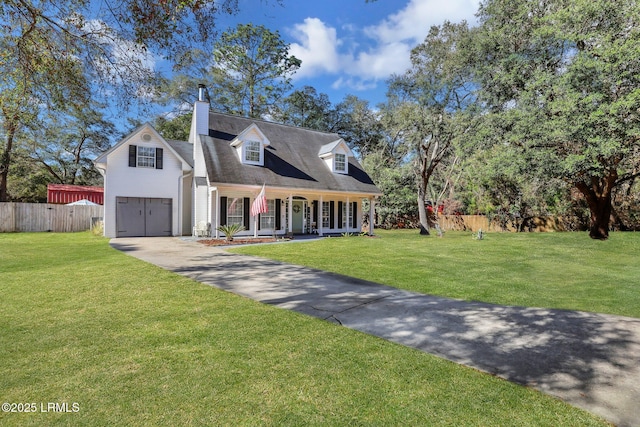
(55, 54)
(306, 108)
(396, 180)
(176, 128)
(512, 187)
(247, 73)
(65, 146)
(360, 126)
(36, 69)
(251, 71)
(429, 104)
(563, 79)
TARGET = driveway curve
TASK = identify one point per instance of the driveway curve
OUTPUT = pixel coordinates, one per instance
(589, 360)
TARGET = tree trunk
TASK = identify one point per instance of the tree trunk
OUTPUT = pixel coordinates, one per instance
(5, 162)
(598, 195)
(422, 213)
(600, 216)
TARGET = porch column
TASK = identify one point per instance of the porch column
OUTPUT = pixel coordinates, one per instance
(209, 203)
(255, 226)
(290, 214)
(347, 219)
(372, 213)
(180, 207)
(320, 210)
(255, 222)
(216, 223)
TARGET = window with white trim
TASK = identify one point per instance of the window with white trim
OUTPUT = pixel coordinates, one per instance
(351, 209)
(252, 151)
(235, 211)
(326, 216)
(268, 219)
(146, 157)
(340, 162)
(344, 215)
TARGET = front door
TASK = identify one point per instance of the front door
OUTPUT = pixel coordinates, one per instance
(298, 217)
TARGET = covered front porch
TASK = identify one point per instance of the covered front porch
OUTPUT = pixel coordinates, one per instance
(289, 212)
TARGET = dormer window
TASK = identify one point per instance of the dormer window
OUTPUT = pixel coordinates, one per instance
(249, 145)
(336, 156)
(252, 151)
(340, 162)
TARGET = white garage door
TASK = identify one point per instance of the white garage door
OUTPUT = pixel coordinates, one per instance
(143, 217)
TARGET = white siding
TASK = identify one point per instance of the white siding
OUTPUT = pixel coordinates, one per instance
(187, 197)
(199, 165)
(199, 121)
(199, 126)
(200, 200)
(124, 181)
(329, 162)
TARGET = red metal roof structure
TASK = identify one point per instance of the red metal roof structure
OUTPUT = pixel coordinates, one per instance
(64, 193)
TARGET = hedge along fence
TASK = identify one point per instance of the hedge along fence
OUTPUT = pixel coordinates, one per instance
(16, 217)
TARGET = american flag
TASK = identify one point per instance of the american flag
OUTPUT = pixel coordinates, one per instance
(259, 204)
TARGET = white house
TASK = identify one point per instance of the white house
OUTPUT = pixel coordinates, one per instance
(155, 187)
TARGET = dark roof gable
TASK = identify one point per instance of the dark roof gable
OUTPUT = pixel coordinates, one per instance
(291, 160)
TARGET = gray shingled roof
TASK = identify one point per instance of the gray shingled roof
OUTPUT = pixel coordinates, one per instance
(291, 161)
(183, 148)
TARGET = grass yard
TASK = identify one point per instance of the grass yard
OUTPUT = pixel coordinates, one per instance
(122, 342)
(553, 270)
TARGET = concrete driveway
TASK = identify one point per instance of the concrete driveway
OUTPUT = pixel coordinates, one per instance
(588, 360)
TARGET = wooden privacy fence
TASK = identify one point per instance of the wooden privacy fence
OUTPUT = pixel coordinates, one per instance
(16, 217)
(467, 223)
(477, 222)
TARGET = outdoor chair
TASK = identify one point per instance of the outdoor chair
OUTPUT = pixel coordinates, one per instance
(202, 229)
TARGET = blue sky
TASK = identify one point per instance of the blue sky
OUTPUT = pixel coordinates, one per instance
(346, 46)
(350, 46)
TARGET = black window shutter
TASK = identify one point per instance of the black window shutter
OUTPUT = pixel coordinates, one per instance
(223, 211)
(354, 213)
(159, 158)
(332, 214)
(278, 213)
(316, 214)
(246, 213)
(340, 205)
(259, 227)
(133, 156)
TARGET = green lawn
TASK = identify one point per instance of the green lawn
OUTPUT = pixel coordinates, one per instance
(554, 270)
(131, 344)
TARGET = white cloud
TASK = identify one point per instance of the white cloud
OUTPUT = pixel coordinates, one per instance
(412, 23)
(357, 62)
(317, 48)
(358, 84)
(383, 61)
